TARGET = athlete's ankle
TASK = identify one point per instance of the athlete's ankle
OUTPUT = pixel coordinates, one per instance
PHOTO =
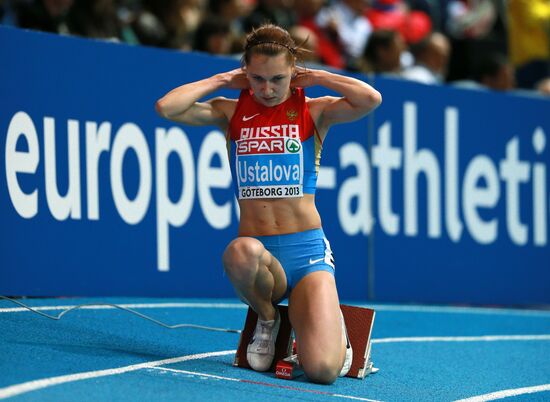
(267, 314)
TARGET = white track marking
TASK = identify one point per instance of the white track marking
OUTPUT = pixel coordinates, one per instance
(381, 307)
(485, 338)
(354, 398)
(134, 305)
(216, 377)
(29, 386)
(291, 388)
(507, 393)
(458, 310)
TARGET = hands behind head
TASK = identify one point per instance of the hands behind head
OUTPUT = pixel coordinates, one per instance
(236, 79)
(302, 77)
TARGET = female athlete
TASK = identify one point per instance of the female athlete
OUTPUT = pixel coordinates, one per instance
(275, 135)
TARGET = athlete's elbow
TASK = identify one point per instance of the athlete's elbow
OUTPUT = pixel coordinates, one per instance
(374, 99)
(159, 107)
(367, 100)
(371, 100)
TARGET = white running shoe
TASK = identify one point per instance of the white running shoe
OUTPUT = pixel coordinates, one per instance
(261, 350)
(349, 351)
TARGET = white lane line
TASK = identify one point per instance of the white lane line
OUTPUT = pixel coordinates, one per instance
(194, 373)
(381, 307)
(485, 338)
(458, 310)
(265, 384)
(29, 386)
(134, 305)
(507, 393)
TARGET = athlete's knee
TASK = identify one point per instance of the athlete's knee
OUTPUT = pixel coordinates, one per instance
(241, 256)
(322, 370)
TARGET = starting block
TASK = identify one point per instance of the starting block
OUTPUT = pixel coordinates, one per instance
(359, 323)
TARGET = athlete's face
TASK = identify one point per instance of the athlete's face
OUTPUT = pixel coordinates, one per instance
(269, 78)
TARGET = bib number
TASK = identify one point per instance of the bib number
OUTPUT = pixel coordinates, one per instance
(269, 168)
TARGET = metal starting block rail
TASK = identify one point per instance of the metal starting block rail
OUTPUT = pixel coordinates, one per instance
(359, 323)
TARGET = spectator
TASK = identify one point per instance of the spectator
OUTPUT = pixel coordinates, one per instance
(233, 11)
(214, 36)
(474, 27)
(8, 14)
(395, 15)
(307, 40)
(431, 59)
(45, 15)
(529, 33)
(384, 52)
(428, 7)
(94, 19)
(127, 14)
(278, 12)
(179, 18)
(543, 86)
(148, 28)
(470, 18)
(345, 20)
(329, 51)
(495, 72)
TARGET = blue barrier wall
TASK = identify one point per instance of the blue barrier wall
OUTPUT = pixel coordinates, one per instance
(441, 195)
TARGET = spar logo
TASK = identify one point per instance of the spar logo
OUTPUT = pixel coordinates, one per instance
(293, 146)
(276, 145)
(260, 146)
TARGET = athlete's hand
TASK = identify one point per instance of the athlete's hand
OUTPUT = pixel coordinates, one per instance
(236, 79)
(303, 77)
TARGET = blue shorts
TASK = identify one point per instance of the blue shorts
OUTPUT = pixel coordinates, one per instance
(300, 254)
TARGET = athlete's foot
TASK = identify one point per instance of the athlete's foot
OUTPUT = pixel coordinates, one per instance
(261, 350)
(349, 351)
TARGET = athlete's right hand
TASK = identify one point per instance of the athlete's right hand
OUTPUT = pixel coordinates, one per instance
(236, 79)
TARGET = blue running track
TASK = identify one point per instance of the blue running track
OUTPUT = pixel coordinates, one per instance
(423, 353)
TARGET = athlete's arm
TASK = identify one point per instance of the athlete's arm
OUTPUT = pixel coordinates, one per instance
(182, 103)
(358, 98)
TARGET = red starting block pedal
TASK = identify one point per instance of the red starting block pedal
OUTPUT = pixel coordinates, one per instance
(289, 368)
(359, 323)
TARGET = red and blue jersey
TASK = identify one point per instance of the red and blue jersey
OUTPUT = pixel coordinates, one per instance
(274, 151)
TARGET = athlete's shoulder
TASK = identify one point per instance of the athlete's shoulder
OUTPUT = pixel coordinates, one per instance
(318, 104)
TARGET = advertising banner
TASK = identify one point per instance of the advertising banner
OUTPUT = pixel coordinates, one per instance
(440, 195)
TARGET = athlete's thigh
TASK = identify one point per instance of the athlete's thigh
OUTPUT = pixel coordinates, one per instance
(314, 311)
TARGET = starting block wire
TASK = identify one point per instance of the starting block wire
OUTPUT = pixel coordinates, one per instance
(129, 310)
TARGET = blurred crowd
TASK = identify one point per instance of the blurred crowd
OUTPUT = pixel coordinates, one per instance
(502, 45)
